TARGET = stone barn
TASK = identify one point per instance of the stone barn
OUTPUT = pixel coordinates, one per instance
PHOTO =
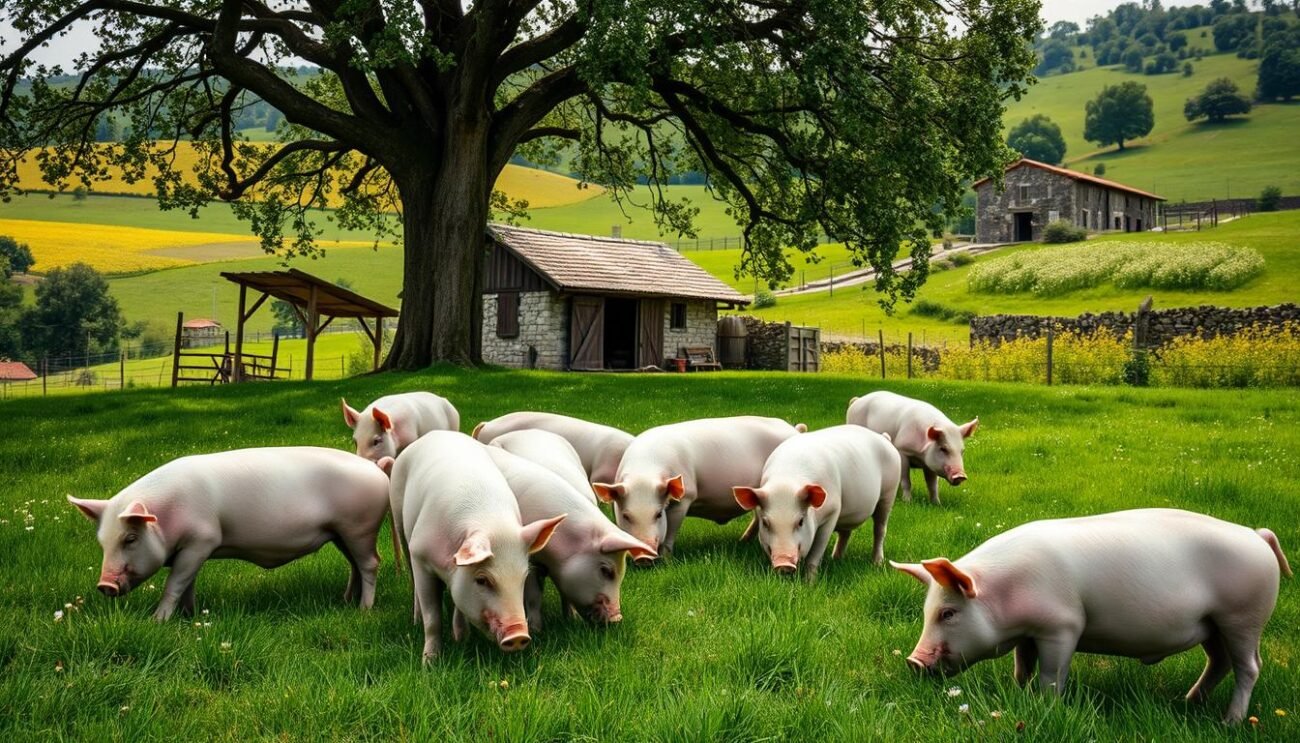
(1036, 194)
(560, 301)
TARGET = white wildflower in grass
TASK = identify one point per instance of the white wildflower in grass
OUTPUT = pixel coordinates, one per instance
(996, 714)
(954, 691)
(58, 616)
(226, 646)
(964, 709)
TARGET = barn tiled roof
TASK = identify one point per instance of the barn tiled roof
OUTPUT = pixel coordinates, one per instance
(584, 263)
(200, 323)
(1073, 175)
(15, 371)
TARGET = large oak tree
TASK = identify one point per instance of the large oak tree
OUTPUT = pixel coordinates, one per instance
(859, 120)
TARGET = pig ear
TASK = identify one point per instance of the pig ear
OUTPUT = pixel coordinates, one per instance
(913, 569)
(950, 576)
(969, 428)
(620, 541)
(350, 415)
(473, 550)
(675, 487)
(608, 493)
(386, 464)
(747, 497)
(136, 514)
(933, 433)
(382, 418)
(816, 495)
(91, 509)
(538, 533)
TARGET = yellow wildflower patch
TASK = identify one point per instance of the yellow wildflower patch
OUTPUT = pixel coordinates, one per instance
(106, 248)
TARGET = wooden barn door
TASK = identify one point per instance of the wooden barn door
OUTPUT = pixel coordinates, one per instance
(587, 333)
(650, 333)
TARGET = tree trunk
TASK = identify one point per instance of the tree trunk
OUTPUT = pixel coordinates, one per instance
(1121, 145)
(444, 215)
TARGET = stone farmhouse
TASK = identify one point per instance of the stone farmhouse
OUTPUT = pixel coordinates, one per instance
(1036, 194)
(559, 301)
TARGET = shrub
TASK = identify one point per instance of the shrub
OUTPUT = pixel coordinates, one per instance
(1063, 231)
(941, 311)
(961, 259)
(79, 193)
(1099, 169)
(763, 299)
(1137, 370)
(85, 378)
(1220, 99)
(1270, 199)
(1261, 356)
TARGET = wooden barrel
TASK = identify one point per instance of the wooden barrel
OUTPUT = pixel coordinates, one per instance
(732, 338)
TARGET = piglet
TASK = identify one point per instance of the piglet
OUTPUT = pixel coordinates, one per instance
(267, 506)
(832, 480)
(600, 447)
(1143, 584)
(551, 451)
(586, 556)
(924, 437)
(461, 528)
(389, 425)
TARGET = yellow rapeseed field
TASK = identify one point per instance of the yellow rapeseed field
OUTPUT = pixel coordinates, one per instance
(106, 248)
(539, 187)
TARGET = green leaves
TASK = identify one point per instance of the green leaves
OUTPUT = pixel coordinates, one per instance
(1118, 113)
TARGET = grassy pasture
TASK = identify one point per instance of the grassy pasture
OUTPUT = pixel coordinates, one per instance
(714, 645)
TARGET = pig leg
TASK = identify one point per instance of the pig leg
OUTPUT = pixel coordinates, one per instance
(1026, 656)
(363, 553)
(750, 530)
(841, 543)
(905, 481)
(185, 567)
(1217, 665)
(932, 485)
(1054, 655)
(676, 515)
(1243, 651)
(816, 552)
(533, 590)
(428, 590)
(458, 625)
(879, 525)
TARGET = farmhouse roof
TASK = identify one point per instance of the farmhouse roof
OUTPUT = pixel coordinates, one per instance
(1073, 175)
(585, 263)
(200, 323)
(295, 287)
(15, 371)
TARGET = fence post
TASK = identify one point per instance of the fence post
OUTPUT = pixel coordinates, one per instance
(882, 353)
(45, 376)
(176, 349)
(1050, 336)
(121, 371)
(909, 354)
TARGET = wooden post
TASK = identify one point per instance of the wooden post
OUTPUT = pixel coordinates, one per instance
(881, 336)
(379, 341)
(236, 374)
(45, 376)
(832, 271)
(909, 355)
(176, 349)
(311, 332)
(121, 371)
(1049, 355)
(275, 351)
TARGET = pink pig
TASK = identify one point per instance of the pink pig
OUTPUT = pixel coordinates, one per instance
(389, 425)
(925, 438)
(599, 447)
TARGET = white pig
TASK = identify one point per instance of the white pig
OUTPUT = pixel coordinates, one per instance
(689, 467)
(586, 555)
(925, 438)
(389, 425)
(600, 447)
(266, 506)
(1143, 584)
(551, 451)
(817, 483)
(461, 529)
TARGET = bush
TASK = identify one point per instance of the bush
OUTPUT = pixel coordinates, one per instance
(1187, 69)
(1137, 370)
(1270, 199)
(941, 311)
(1050, 272)
(80, 193)
(1261, 356)
(1220, 99)
(85, 378)
(763, 299)
(1099, 169)
(1063, 231)
(961, 259)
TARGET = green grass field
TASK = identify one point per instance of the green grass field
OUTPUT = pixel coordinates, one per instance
(714, 646)
(853, 311)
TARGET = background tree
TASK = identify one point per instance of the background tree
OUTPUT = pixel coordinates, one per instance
(74, 315)
(1133, 59)
(1055, 55)
(1038, 138)
(1176, 41)
(1220, 99)
(853, 120)
(1270, 199)
(18, 254)
(1162, 63)
(1233, 30)
(1279, 66)
(11, 305)
(1119, 113)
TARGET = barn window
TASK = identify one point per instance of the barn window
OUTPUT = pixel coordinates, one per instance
(678, 319)
(1024, 194)
(508, 315)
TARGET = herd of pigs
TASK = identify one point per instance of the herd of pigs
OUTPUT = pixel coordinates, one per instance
(493, 515)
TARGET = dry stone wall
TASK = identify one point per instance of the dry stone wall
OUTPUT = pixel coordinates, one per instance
(1153, 328)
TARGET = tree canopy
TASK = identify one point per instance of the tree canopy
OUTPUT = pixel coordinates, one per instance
(1119, 113)
(1220, 99)
(74, 315)
(1038, 138)
(861, 121)
(1279, 66)
(19, 255)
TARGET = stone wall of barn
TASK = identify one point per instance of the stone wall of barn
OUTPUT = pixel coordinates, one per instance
(543, 340)
(1155, 328)
(1046, 194)
(701, 326)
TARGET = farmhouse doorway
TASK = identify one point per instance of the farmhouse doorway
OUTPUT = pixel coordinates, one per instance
(615, 333)
(1024, 227)
(620, 333)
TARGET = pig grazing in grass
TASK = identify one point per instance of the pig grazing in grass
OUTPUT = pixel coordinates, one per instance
(925, 438)
(551, 451)
(266, 506)
(599, 447)
(832, 480)
(586, 555)
(689, 467)
(461, 529)
(1144, 584)
(389, 425)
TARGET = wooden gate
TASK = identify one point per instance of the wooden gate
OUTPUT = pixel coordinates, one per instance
(805, 348)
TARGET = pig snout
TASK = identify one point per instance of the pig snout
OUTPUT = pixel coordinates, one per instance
(112, 585)
(785, 564)
(605, 610)
(514, 637)
(954, 475)
(917, 665)
(644, 560)
(109, 588)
